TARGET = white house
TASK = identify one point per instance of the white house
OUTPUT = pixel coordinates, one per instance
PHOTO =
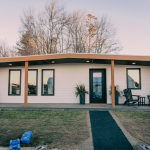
(52, 78)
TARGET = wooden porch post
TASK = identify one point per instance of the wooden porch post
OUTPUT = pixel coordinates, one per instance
(112, 83)
(26, 85)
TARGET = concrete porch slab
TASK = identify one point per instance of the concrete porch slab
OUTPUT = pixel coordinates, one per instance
(57, 106)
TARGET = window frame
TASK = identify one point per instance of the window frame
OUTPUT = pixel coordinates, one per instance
(42, 83)
(36, 82)
(9, 83)
(139, 77)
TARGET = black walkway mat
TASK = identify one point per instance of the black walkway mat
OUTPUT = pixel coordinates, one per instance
(106, 133)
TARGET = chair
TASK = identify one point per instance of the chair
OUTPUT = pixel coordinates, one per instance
(129, 97)
(148, 96)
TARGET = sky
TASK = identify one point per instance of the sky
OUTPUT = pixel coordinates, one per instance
(131, 18)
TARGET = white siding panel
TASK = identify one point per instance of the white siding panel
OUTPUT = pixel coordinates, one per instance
(120, 79)
(66, 77)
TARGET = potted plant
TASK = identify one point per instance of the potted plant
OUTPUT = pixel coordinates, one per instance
(117, 93)
(80, 90)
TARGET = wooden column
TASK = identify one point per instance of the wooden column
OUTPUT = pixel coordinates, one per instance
(112, 83)
(26, 85)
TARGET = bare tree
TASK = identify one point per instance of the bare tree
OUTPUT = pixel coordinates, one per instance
(3, 49)
(105, 37)
(13, 52)
(26, 45)
(91, 35)
(56, 31)
(6, 50)
(91, 29)
(47, 29)
(76, 33)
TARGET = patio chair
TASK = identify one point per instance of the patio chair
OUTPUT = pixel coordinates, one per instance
(129, 97)
(148, 96)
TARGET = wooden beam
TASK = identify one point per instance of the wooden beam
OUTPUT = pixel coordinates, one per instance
(26, 85)
(112, 83)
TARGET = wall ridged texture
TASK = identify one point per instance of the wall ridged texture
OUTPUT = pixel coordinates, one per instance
(66, 77)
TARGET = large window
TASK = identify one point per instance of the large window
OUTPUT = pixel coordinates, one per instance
(47, 82)
(14, 87)
(133, 78)
(32, 82)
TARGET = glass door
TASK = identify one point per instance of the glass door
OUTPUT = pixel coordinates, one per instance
(97, 86)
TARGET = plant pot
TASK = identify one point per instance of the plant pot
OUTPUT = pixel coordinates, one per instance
(82, 98)
(116, 99)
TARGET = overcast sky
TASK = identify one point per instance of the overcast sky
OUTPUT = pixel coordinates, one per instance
(130, 17)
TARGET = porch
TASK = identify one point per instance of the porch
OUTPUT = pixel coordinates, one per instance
(64, 106)
(115, 65)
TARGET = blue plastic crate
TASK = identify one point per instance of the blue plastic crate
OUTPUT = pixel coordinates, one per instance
(25, 139)
(14, 147)
(14, 142)
(28, 133)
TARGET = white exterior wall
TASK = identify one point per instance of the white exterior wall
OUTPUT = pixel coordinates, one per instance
(66, 77)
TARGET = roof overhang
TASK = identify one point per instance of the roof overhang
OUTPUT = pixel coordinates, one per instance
(75, 58)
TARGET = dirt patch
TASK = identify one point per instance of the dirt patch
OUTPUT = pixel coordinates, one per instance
(137, 123)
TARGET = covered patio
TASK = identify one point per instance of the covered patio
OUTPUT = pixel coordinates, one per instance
(112, 60)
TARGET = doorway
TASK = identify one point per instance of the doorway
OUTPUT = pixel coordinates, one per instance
(98, 86)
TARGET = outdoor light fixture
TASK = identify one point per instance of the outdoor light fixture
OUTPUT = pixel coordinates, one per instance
(133, 63)
(53, 62)
(87, 61)
(10, 64)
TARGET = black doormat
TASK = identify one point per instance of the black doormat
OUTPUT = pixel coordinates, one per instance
(106, 133)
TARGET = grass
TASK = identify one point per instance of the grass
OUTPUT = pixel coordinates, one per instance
(57, 129)
(137, 123)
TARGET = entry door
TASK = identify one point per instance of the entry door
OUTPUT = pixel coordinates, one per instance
(97, 86)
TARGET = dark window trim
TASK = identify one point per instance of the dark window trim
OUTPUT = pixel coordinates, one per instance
(139, 77)
(36, 82)
(9, 83)
(53, 83)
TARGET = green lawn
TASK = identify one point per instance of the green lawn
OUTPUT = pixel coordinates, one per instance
(137, 123)
(57, 129)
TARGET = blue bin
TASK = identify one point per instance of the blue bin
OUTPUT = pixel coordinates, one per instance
(14, 142)
(26, 137)
(28, 133)
(14, 147)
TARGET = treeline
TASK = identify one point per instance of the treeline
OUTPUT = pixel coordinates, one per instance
(54, 30)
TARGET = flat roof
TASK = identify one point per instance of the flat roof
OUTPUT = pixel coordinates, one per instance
(74, 55)
(77, 57)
